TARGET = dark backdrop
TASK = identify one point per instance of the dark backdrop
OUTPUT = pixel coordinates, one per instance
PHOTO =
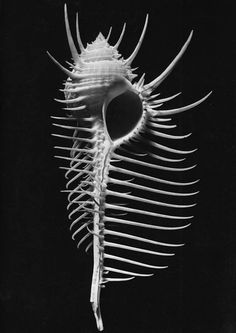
(45, 281)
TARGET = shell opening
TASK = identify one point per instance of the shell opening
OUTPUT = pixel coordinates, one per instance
(122, 115)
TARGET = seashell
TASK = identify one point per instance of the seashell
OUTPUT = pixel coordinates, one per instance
(125, 186)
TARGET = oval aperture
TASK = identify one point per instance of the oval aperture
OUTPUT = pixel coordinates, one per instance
(123, 114)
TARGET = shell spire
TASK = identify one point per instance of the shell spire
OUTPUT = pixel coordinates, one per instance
(100, 37)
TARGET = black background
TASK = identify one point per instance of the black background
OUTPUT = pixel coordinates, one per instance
(45, 281)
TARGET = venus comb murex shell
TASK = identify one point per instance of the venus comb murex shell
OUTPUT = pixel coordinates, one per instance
(119, 172)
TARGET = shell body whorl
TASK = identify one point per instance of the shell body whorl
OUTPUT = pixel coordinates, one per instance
(124, 190)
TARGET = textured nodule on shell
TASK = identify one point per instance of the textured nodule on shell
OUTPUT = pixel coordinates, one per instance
(101, 58)
(129, 184)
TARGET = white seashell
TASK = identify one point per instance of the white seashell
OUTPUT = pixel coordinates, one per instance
(116, 163)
